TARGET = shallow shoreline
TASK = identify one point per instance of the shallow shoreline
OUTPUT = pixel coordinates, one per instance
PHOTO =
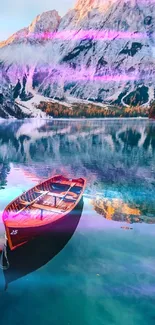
(77, 119)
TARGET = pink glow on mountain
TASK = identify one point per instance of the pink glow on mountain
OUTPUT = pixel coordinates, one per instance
(84, 34)
(63, 74)
(85, 78)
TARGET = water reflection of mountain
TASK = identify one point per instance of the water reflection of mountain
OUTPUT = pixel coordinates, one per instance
(115, 153)
(27, 137)
(117, 210)
(4, 171)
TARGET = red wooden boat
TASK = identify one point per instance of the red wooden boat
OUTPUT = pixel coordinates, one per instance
(41, 208)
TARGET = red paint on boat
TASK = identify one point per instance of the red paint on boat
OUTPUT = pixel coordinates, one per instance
(43, 206)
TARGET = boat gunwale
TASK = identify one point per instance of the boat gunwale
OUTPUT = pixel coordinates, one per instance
(58, 216)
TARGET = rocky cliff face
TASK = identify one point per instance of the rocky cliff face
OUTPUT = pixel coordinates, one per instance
(85, 6)
(102, 51)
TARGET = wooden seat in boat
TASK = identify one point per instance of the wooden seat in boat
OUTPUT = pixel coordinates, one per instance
(47, 208)
(43, 207)
(50, 193)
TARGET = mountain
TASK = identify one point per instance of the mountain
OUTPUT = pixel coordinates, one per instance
(85, 6)
(100, 51)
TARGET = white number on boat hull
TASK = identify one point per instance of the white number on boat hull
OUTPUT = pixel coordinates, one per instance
(14, 232)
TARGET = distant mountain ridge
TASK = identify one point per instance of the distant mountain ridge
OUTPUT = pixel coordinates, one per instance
(100, 51)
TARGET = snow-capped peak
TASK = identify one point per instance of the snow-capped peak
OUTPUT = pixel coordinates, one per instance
(84, 6)
(46, 22)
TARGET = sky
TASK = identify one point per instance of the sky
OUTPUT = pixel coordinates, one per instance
(17, 14)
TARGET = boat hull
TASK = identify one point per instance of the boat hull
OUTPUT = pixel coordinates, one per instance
(17, 236)
(41, 209)
(42, 249)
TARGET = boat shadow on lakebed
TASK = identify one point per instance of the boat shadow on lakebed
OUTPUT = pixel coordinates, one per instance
(39, 251)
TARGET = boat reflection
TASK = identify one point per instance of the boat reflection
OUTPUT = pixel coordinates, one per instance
(117, 210)
(33, 255)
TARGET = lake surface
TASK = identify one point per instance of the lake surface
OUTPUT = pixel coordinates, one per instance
(105, 274)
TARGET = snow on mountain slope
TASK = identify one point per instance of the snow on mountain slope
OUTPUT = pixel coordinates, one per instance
(100, 66)
(103, 51)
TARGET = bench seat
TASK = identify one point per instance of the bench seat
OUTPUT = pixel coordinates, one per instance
(50, 193)
(43, 207)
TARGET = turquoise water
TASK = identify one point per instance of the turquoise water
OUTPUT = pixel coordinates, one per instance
(105, 274)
